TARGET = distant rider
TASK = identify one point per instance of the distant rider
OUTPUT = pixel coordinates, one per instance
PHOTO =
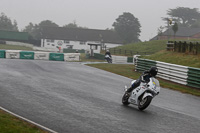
(108, 53)
(145, 77)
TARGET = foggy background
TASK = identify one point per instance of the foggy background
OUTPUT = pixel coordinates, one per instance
(93, 14)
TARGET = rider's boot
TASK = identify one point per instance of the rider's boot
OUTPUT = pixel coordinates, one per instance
(129, 90)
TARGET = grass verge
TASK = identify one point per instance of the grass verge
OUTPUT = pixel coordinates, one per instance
(176, 58)
(150, 46)
(128, 70)
(11, 124)
(13, 47)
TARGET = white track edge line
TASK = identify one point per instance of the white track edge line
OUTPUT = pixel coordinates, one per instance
(42, 127)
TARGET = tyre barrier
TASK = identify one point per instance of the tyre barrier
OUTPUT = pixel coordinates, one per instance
(176, 73)
(37, 55)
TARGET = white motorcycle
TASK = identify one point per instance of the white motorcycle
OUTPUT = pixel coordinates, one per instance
(143, 94)
(108, 58)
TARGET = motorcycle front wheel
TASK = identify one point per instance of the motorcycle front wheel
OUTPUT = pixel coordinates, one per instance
(143, 104)
(125, 99)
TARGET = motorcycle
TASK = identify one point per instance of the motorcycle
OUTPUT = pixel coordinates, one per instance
(143, 94)
(108, 58)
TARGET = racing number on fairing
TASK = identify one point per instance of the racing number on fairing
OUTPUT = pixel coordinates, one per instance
(138, 89)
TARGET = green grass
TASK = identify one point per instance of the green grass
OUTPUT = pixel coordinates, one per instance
(128, 70)
(150, 46)
(11, 124)
(176, 58)
(13, 47)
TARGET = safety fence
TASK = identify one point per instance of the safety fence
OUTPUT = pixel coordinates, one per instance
(37, 55)
(176, 73)
(193, 77)
(119, 59)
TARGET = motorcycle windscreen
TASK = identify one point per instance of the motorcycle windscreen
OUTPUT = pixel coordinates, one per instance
(156, 82)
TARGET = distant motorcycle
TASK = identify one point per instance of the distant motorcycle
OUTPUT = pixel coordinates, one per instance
(108, 58)
(143, 94)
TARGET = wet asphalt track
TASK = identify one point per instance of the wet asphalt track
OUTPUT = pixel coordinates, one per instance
(74, 98)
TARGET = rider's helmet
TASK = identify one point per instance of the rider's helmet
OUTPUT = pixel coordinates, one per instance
(153, 71)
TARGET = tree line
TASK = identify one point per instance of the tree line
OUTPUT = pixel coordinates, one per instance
(181, 17)
(126, 25)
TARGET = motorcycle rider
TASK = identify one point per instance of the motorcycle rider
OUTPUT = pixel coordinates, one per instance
(108, 53)
(145, 77)
(108, 56)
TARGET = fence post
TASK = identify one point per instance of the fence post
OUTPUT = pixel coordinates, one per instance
(195, 48)
(175, 46)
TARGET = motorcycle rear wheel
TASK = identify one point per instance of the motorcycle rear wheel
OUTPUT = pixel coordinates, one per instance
(125, 99)
(143, 104)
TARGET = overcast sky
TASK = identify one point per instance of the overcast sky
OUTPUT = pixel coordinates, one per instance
(94, 14)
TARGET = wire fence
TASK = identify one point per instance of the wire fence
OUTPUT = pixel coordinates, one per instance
(184, 47)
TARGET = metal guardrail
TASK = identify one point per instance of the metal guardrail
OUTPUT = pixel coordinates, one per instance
(193, 77)
(176, 73)
(119, 59)
(144, 64)
(172, 72)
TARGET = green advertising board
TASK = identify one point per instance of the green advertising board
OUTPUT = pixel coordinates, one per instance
(2, 53)
(26, 55)
(56, 56)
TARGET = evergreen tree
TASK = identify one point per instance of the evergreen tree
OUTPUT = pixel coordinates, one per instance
(128, 27)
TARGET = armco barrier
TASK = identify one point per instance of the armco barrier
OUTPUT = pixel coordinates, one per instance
(176, 73)
(172, 72)
(130, 59)
(193, 77)
(119, 59)
(144, 64)
(2, 53)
